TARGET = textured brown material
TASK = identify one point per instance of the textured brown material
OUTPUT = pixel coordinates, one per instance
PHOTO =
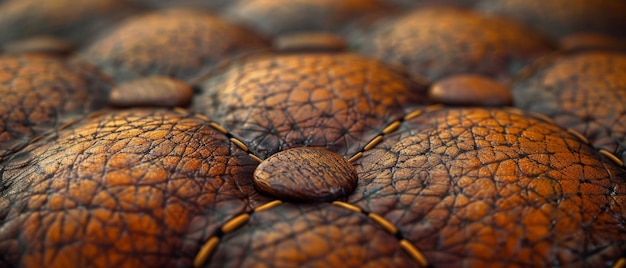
(135, 188)
(276, 17)
(155, 91)
(305, 175)
(39, 44)
(334, 101)
(563, 17)
(319, 235)
(590, 41)
(39, 93)
(438, 42)
(309, 42)
(470, 90)
(476, 188)
(75, 21)
(208, 4)
(179, 43)
(421, 3)
(436, 186)
(585, 92)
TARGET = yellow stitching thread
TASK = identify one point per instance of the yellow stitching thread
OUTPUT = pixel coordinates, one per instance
(206, 251)
(347, 206)
(268, 205)
(578, 135)
(392, 127)
(413, 252)
(235, 223)
(384, 223)
(611, 156)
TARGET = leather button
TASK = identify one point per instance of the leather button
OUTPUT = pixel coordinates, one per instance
(305, 174)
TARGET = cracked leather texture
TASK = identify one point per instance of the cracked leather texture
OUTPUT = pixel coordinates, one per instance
(276, 17)
(437, 42)
(418, 3)
(39, 93)
(585, 92)
(335, 101)
(310, 236)
(180, 43)
(75, 21)
(460, 183)
(214, 5)
(128, 188)
(566, 16)
(455, 182)
(148, 187)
